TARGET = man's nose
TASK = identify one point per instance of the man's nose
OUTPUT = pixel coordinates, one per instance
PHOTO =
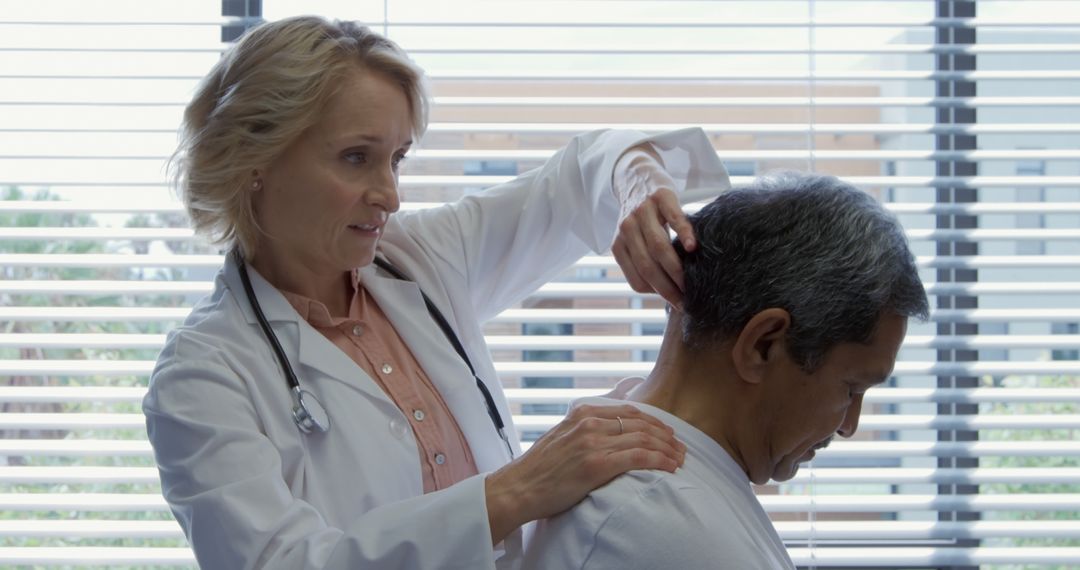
(851, 418)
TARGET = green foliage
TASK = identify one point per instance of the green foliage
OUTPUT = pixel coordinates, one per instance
(1032, 462)
(32, 299)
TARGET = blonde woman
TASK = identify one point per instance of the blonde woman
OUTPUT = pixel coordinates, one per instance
(332, 404)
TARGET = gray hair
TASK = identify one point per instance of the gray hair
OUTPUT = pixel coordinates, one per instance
(824, 251)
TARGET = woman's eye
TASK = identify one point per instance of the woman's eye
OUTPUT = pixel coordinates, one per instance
(355, 157)
(398, 159)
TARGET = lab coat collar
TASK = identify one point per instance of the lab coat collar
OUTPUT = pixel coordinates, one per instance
(403, 304)
(304, 346)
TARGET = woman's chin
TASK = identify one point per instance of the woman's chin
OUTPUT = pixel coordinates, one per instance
(360, 258)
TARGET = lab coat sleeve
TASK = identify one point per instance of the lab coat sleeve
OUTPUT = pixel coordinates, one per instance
(508, 240)
(223, 479)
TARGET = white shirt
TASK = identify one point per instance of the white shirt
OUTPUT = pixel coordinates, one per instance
(704, 515)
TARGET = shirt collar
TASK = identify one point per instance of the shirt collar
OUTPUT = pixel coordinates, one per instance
(316, 313)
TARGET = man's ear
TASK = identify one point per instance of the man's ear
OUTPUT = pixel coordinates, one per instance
(760, 344)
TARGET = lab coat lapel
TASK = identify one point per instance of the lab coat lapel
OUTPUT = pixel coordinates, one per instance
(403, 304)
(305, 347)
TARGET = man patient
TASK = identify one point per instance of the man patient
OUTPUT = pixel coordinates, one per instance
(796, 301)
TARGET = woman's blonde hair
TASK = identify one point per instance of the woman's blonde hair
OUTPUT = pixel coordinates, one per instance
(264, 93)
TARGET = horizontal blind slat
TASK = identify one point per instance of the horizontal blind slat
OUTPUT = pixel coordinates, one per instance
(882, 475)
(97, 502)
(553, 369)
(181, 234)
(539, 342)
(862, 530)
(912, 128)
(109, 394)
(97, 555)
(979, 208)
(98, 528)
(899, 530)
(854, 503)
(867, 422)
(657, 100)
(859, 557)
(548, 291)
(875, 396)
(78, 475)
(839, 450)
(101, 502)
(435, 155)
(576, 316)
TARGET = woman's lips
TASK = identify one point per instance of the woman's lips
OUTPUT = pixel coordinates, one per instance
(367, 229)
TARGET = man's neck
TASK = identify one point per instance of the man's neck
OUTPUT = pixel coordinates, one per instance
(692, 386)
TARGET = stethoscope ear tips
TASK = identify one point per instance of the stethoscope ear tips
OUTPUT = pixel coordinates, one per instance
(308, 413)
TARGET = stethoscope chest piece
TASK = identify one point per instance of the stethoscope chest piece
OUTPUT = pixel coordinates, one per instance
(308, 413)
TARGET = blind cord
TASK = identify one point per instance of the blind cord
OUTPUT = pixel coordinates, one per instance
(811, 101)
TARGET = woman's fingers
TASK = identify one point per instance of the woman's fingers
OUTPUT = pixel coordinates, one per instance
(673, 215)
(622, 256)
(626, 411)
(647, 258)
(654, 233)
(637, 458)
(628, 427)
(648, 439)
(643, 247)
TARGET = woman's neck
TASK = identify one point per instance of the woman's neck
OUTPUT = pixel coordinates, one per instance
(331, 288)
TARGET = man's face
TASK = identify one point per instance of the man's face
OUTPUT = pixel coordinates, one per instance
(806, 410)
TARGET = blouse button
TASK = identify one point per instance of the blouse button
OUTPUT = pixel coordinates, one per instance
(440, 459)
(386, 369)
(357, 330)
(419, 415)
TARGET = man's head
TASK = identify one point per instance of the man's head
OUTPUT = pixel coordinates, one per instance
(806, 283)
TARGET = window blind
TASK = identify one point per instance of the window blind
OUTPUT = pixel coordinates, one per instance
(962, 117)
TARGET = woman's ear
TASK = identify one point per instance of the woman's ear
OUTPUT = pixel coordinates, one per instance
(760, 344)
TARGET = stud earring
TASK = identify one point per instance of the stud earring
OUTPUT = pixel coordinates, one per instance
(256, 184)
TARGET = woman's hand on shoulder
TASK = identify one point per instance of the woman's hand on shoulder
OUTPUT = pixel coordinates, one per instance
(590, 447)
(642, 246)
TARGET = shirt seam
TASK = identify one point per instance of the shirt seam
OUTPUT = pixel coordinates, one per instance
(639, 496)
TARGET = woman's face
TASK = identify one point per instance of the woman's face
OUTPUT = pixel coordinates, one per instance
(324, 202)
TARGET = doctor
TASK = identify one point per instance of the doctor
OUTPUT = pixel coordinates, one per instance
(332, 404)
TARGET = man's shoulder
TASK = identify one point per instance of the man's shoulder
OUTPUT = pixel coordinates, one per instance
(660, 507)
(643, 519)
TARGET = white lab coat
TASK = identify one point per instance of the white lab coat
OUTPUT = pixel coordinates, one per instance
(251, 491)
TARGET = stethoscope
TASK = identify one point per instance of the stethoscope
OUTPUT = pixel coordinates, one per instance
(308, 412)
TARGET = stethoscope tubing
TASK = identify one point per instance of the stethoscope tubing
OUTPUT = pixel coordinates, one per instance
(319, 421)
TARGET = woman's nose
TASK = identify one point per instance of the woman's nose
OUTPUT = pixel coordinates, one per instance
(383, 191)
